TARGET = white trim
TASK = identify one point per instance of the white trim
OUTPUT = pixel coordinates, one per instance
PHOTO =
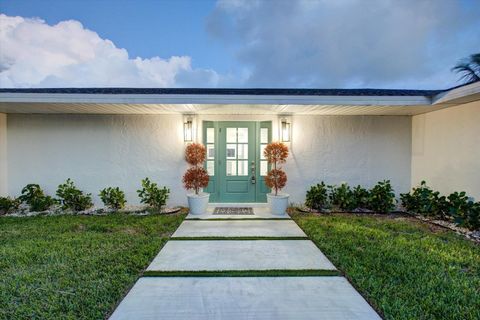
(461, 92)
(212, 99)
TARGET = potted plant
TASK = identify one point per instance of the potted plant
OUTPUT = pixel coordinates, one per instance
(196, 178)
(276, 153)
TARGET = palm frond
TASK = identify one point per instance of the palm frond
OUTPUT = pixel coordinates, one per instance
(468, 71)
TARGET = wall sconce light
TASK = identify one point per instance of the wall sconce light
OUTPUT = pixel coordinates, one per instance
(285, 130)
(188, 129)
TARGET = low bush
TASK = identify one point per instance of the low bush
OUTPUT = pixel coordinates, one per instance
(457, 207)
(381, 197)
(343, 197)
(113, 197)
(152, 195)
(73, 198)
(425, 201)
(463, 211)
(8, 204)
(361, 196)
(34, 196)
(317, 197)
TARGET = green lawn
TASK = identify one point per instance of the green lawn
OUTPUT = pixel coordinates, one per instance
(404, 268)
(75, 267)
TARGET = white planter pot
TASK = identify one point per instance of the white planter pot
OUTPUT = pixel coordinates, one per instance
(278, 204)
(198, 203)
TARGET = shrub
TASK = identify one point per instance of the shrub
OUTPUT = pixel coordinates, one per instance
(196, 176)
(463, 211)
(457, 206)
(473, 221)
(361, 197)
(8, 204)
(73, 198)
(34, 196)
(276, 153)
(195, 154)
(382, 197)
(152, 195)
(317, 197)
(423, 200)
(113, 197)
(343, 197)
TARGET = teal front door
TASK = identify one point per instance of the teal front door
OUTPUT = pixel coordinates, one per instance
(234, 160)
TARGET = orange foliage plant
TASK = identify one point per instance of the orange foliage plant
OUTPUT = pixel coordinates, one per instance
(196, 176)
(276, 153)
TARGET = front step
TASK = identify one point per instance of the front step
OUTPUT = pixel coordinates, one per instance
(238, 228)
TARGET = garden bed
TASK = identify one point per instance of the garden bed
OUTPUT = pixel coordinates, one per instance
(139, 210)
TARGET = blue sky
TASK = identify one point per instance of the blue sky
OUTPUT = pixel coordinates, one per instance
(236, 43)
(153, 28)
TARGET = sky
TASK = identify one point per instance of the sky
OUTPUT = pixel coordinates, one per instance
(409, 44)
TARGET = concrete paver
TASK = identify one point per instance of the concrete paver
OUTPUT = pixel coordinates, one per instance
(237, 298)
(195, 255)
(238, 228)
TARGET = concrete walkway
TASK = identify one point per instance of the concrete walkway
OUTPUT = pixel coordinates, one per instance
(240, 255)
(239, 228)
(223, 297)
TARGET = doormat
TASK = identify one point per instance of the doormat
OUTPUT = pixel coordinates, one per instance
(233, 210)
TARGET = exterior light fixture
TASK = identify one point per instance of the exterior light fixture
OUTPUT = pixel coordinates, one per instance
(285, 130)
(188, 130)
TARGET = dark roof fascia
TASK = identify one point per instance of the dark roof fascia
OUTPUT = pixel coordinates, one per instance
(227, 91)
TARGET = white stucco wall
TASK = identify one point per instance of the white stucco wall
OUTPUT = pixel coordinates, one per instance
(119, 150)
(446, 149)
(96, 151)
(355, 149)
(3, 154)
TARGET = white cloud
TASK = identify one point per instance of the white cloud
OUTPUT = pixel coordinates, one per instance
(35, 54)
(348, 43)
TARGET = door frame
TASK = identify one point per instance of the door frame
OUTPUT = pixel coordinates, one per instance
(213, 188)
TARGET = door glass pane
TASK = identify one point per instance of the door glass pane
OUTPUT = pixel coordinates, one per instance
(210, 135)
(231, 151)
(243, 135)
(231, 135)
(264, 135)
(210, 151)
(243, 151)
(231, 167)
(262, 149)
(263, 168)
(243, 168)
(211, 168)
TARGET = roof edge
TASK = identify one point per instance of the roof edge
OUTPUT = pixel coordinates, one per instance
(229, 91)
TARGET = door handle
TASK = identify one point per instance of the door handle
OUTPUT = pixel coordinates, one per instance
(253, 179)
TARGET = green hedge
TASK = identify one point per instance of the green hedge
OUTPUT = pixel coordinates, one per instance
(456, 207)
(380, 198)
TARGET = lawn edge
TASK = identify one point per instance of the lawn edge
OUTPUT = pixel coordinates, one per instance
(245, 273)
(236, 238)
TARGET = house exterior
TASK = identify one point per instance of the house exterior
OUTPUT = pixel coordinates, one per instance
(104, 137)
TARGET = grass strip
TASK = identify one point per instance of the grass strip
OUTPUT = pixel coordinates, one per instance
(234, 219)
(238, 238)
(245, 273)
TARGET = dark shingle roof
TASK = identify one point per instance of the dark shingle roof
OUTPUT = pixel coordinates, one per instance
(226, 91)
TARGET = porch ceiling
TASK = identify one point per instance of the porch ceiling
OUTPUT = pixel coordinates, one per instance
(236, 109)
